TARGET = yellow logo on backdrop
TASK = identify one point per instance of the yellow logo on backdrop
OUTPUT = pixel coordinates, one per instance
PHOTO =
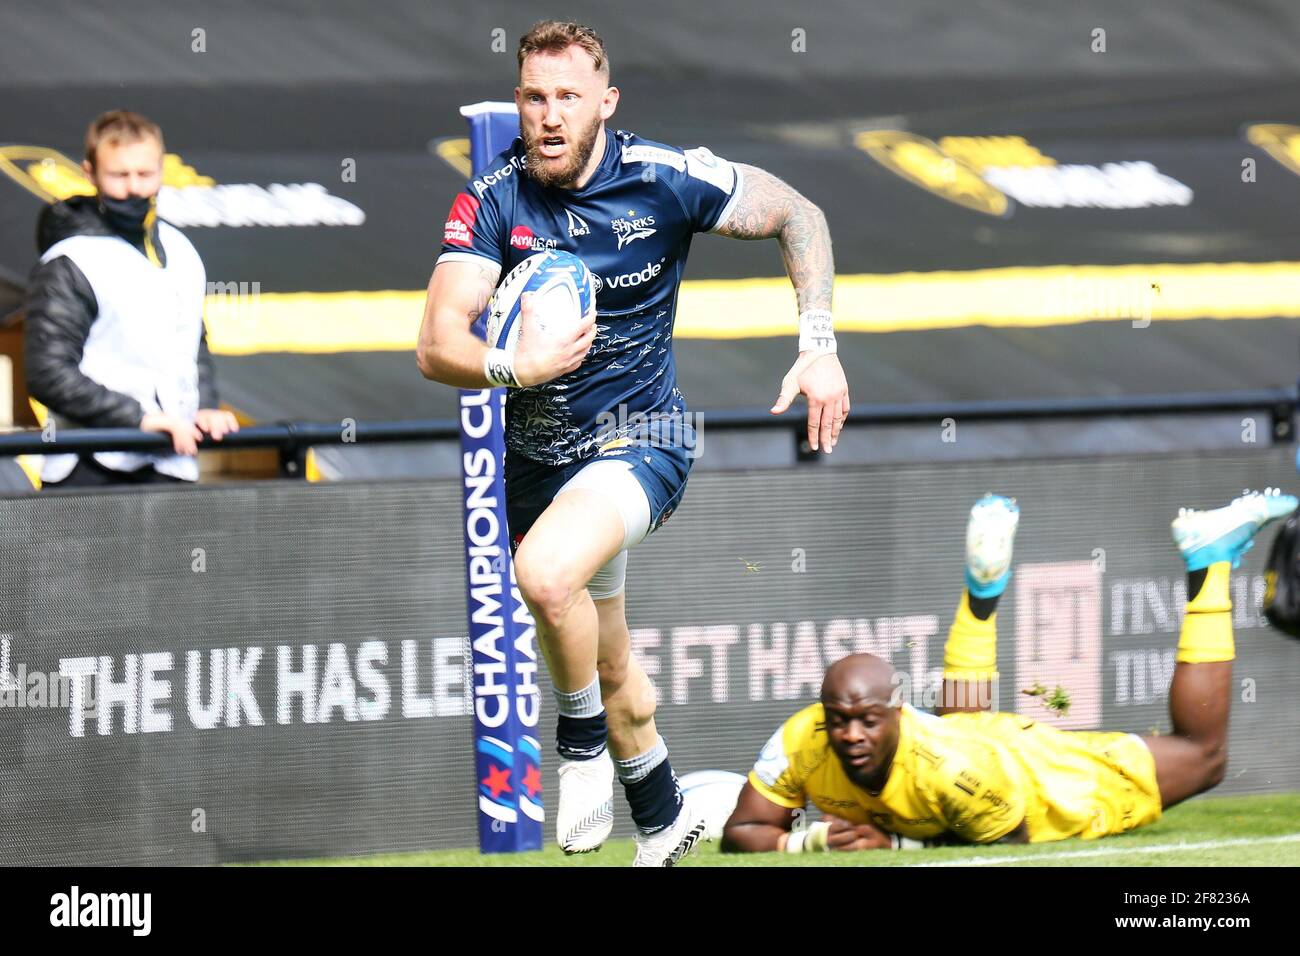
(981, 152)
(47, 173)
(989, 173)
(1279, 140)
(177, 173)
(454, 151)
(925, 163)
(51, 176)
(187, 197)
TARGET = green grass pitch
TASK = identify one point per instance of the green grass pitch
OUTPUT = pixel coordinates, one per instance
(1209, 832)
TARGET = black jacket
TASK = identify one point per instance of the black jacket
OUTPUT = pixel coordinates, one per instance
(61, 308)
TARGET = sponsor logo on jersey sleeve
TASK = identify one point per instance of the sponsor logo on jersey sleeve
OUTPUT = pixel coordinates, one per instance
(654, 154)
(488, 180)
(459, 229)
(772, 761)
(702, 164)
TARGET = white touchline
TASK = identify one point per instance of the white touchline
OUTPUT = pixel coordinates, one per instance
(1112, 851)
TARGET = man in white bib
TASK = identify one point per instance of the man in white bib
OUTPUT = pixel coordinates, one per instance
(114, 334)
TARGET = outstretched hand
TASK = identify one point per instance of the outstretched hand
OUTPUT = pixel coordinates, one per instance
(819, 376)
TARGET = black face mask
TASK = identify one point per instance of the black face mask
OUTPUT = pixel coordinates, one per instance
(126, 215)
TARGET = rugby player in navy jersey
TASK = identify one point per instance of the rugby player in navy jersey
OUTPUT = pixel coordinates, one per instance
(598, 437)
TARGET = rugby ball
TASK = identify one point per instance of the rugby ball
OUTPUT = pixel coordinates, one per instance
(714, 793)
(563, 293)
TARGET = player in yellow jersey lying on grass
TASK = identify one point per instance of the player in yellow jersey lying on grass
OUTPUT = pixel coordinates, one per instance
(886, 774)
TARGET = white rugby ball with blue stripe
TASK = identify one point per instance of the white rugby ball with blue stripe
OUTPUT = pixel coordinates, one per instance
(564, 292)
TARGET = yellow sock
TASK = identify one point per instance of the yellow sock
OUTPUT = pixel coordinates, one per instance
(1206, 636)
(972, 649)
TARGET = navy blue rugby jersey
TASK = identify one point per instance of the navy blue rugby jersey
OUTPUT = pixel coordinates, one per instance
(632, 223)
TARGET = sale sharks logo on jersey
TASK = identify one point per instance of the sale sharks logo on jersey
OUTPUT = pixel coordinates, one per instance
(631, 229)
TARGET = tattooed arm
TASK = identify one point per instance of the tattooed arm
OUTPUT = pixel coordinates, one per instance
(770, 209)
(450, 353)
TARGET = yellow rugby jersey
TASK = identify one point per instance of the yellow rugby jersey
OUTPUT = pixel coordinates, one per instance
(974, 775)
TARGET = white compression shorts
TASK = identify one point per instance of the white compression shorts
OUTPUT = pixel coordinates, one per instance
(613, 479)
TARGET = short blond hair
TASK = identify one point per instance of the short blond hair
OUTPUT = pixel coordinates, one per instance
(556, 36)
(119, 126)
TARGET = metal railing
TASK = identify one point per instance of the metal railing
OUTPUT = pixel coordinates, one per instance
(293, 439)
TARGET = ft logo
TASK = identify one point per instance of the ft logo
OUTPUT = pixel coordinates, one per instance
(1058, 639)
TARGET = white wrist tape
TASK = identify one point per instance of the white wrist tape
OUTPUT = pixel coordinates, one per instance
(810, 840)
(816, 331)
(500, 369)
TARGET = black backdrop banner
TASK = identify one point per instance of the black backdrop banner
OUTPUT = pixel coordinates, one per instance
(276, 670)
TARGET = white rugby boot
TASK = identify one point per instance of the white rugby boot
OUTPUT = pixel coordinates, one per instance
(585, 815)
(990, 535)
(674, 842)
(1227, 533)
